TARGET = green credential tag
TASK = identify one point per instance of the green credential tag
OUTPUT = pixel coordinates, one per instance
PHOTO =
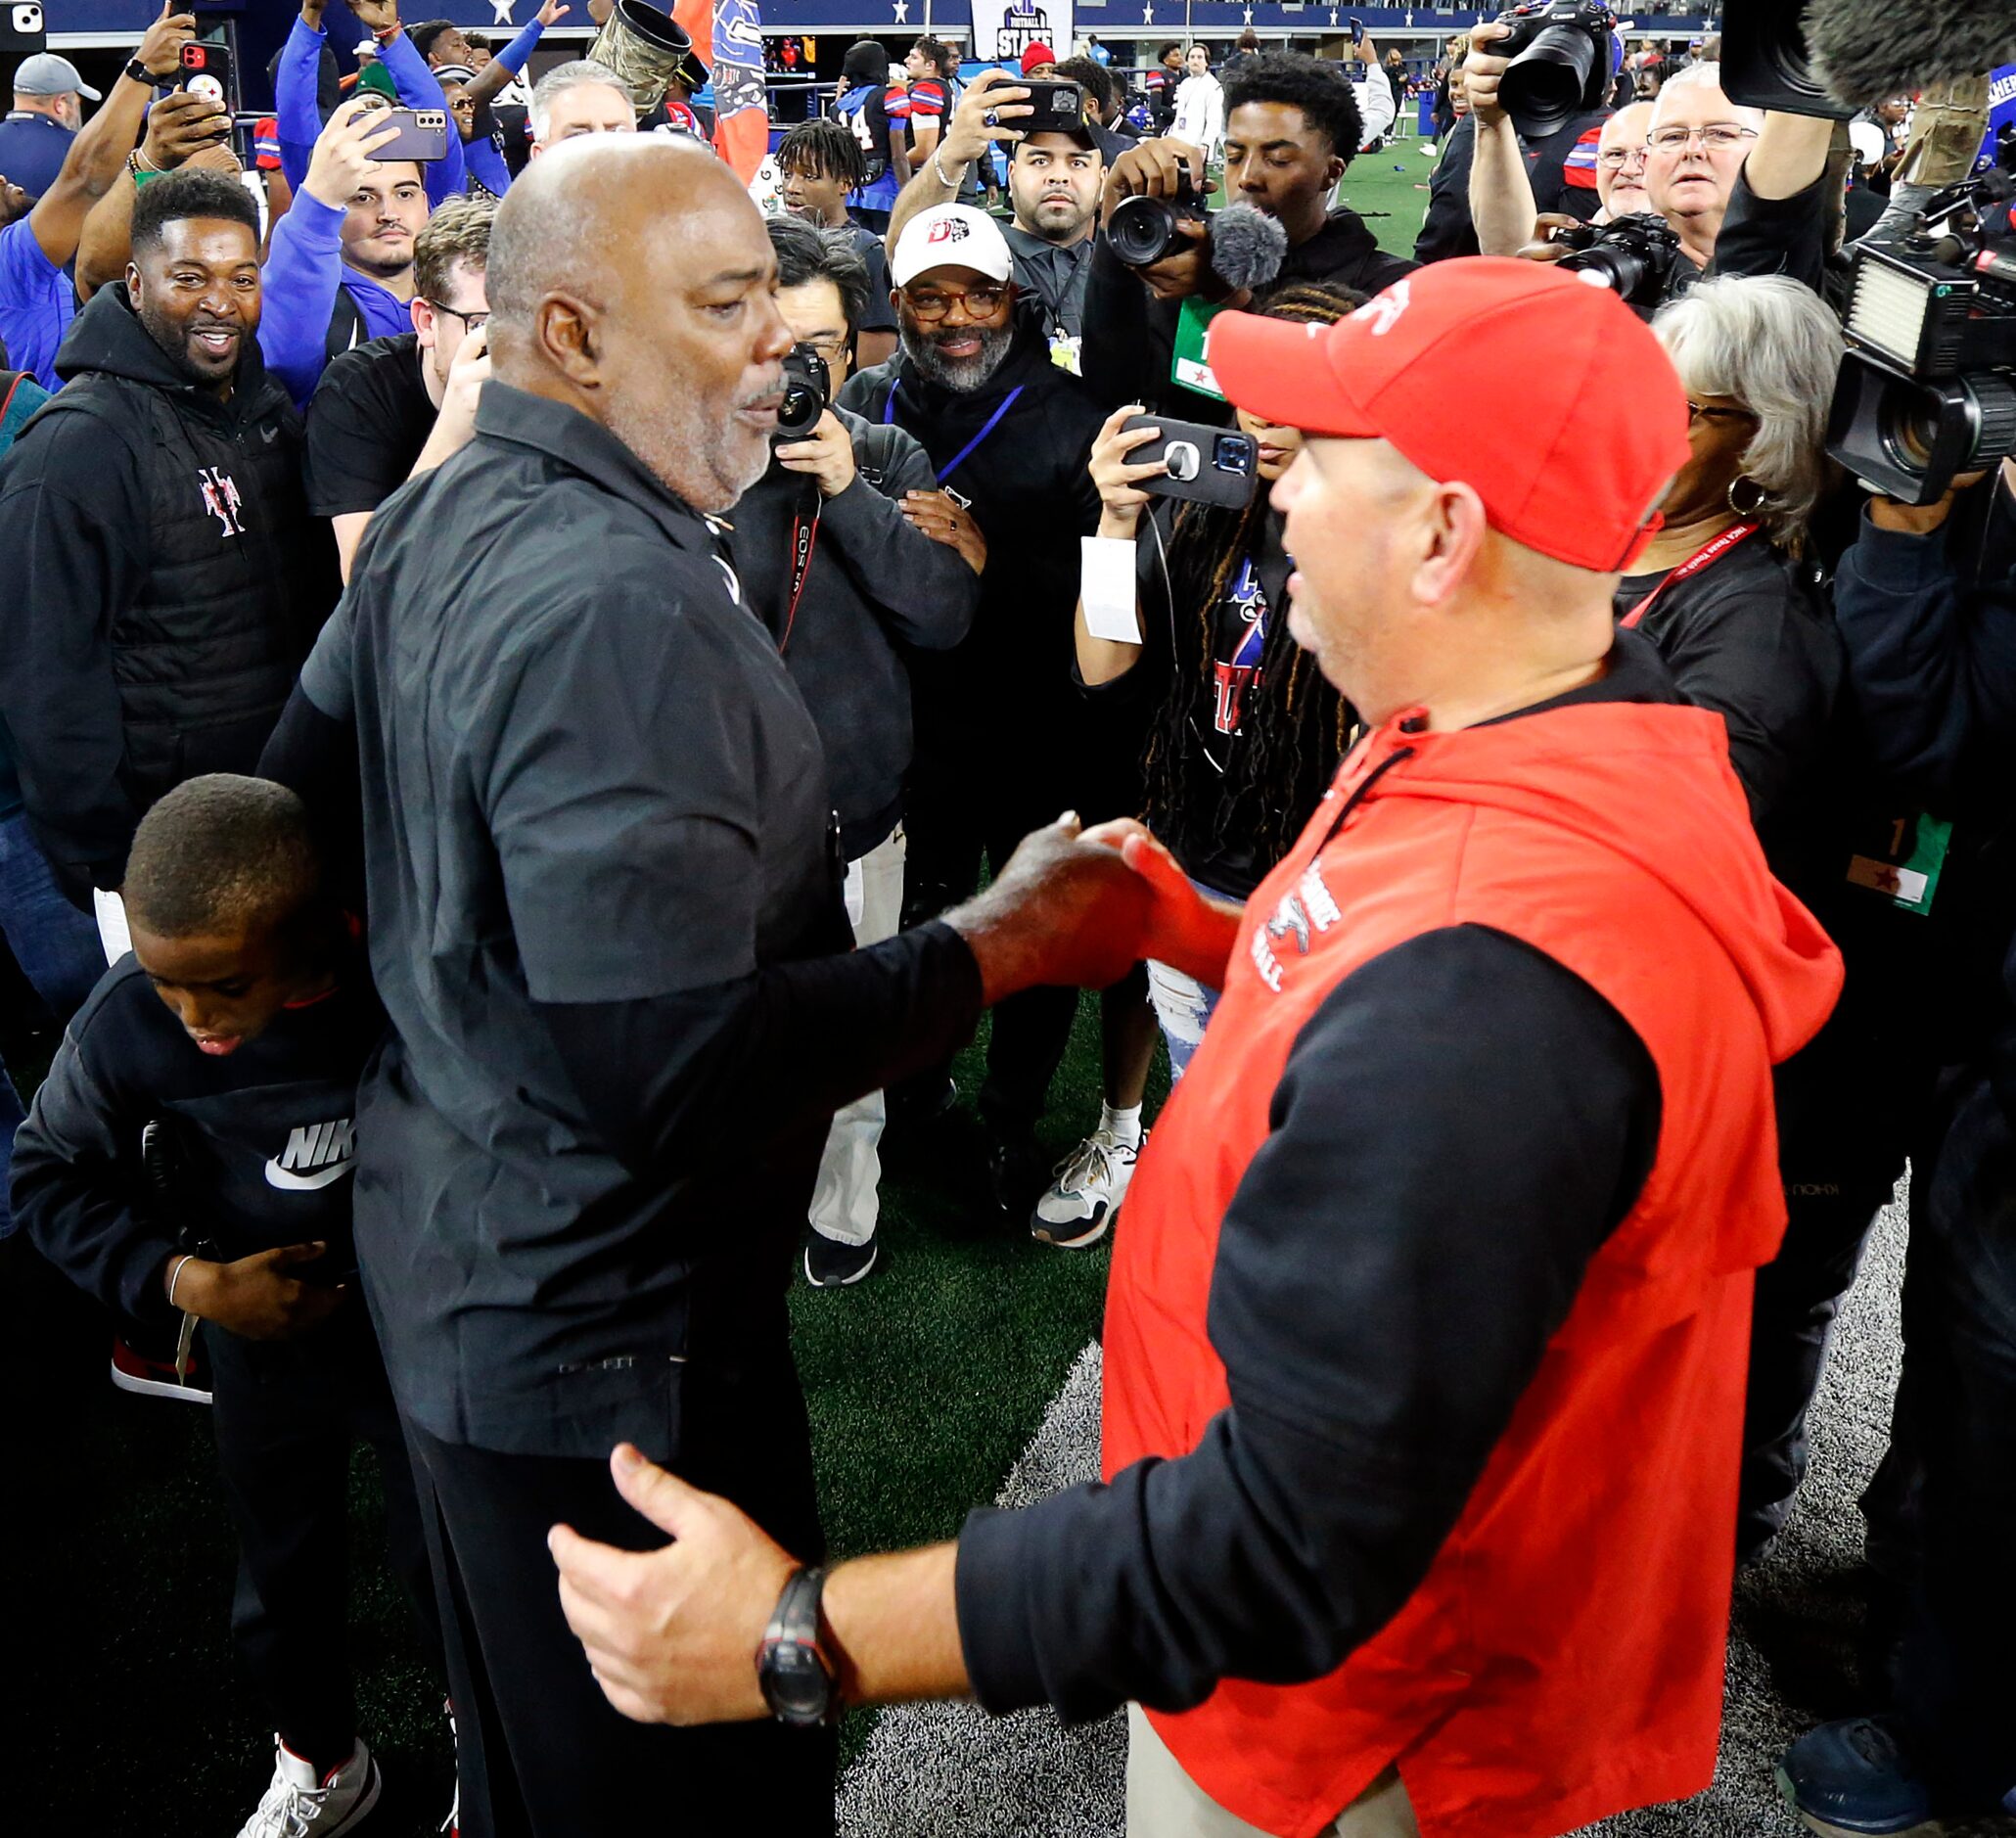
(1905, 863)
(1187, 365)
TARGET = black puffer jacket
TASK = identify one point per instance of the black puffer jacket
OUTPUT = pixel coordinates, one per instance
(167, 581)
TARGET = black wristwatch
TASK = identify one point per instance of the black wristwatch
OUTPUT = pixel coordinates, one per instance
(140, 73)
(800, 1683)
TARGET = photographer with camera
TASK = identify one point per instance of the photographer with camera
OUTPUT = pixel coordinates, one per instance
(849, 588)
(1291, 127)
(1926, 602)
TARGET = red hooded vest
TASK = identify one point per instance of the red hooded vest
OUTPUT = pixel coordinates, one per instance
(1563, 1657)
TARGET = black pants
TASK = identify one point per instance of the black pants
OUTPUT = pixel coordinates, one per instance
(286, 1416)
(540, 1753)
(1847, 1107)
(1956, 1686)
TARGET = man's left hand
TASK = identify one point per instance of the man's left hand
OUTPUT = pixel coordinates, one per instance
(827, 453)
(181, 125)
(943, 518)
(671, 1634)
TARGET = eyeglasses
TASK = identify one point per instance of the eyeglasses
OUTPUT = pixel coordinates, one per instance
(981, 302)
(1716, 137)
(1701, 411)
(471, 322)
(831, 349)
(1614, 159)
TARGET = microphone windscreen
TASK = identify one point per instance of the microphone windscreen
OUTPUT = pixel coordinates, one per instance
(1247, 247)
(1866, 50)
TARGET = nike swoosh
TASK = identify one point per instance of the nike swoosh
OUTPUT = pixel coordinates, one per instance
(269, 435)
(289, 1181)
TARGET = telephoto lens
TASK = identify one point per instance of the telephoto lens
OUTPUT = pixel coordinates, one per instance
(1141, 231)
(1560, 65)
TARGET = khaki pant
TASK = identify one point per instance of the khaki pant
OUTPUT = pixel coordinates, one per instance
(1164, 1801)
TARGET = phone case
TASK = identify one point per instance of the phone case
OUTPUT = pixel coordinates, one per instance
(423, 135)
(1197, 456)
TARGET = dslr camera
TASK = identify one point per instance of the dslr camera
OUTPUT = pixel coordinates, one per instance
(1141, 231)
(1560, 53)
(1926, 389)
(1633, 256)
(807, 388)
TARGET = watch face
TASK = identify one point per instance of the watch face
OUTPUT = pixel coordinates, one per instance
(795, 1683)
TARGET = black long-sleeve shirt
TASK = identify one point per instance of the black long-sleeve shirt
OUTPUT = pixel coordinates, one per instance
(1458, 1128)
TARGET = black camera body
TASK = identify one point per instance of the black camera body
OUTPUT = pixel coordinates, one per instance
(1559, 63)
(1141, 231)
(1634, 256)
(1928, 387)
(807, 388)
(1766, 63)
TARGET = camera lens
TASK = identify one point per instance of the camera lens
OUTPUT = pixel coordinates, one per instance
(1911, 430)
(1232, 453)
(1543, 87)
(1141, 231)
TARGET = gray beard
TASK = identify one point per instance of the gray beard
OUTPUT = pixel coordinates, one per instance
(698, 463)
(963, 375)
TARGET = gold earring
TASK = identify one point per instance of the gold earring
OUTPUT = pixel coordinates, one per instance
(1755, 505)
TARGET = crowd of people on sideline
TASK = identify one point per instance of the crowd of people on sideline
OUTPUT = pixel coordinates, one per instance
(539, 706)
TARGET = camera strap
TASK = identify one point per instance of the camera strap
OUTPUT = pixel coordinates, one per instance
(804, 539)
(1710, 551)
(993, 421)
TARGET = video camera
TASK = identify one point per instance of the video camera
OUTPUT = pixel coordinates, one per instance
(1141, 231)
(1559, 63)
(807, 388)
(1634, 256)
(1928, 387)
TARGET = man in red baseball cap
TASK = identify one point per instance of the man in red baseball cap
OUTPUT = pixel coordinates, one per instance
(1427, 1336)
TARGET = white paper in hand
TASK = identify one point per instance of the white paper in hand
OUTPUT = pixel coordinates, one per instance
(1106, 585)
(109, 910)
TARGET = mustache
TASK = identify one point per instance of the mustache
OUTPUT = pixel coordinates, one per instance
(768, 394)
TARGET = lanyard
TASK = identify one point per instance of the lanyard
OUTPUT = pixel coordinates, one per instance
(993, 421)
(1710, 551)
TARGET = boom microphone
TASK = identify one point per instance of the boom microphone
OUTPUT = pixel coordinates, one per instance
(1247, 247)
(1866, 50)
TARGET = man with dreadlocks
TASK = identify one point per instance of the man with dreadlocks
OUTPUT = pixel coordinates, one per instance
(1246, 733)
(821, 163)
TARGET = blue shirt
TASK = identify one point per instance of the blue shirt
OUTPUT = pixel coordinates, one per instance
(37, 303)
(32, 149)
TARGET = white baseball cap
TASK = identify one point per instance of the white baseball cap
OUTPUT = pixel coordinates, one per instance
(951, 236)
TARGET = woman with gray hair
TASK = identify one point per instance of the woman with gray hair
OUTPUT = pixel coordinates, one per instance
(1739, 620)
(1720, 589)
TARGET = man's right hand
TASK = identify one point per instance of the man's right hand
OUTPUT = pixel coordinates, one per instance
(1060, 911)
(342, 161)
(180, 126)
(256, 1296)
(455, 422)
(311, 14)
(1482, 71)
(968, 134)
(1187, 930)
(1159, 168)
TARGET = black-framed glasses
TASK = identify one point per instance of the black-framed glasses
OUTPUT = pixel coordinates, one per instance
(981, 302)
(1704, 411)
(471, 322)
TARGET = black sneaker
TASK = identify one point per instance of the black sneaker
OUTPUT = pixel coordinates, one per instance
(1017, 1171)
(832, 1264)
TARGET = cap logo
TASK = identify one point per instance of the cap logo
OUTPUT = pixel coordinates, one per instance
(1385, 309)
(948, 230)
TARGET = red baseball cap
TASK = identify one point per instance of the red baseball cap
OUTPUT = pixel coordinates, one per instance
(1547, 394)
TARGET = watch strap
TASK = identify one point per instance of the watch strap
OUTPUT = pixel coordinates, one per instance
(139, 71)
(794, 1622)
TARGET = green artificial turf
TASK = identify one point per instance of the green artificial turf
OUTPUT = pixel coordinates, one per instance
(925, 1382)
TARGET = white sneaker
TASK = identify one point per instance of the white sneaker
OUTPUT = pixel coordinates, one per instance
(300, 1804)
(1091, 1182)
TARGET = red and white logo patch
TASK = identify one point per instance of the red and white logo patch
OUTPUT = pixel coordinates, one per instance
(948, 230)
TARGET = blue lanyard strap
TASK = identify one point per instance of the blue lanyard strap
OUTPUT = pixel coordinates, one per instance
(993, 421)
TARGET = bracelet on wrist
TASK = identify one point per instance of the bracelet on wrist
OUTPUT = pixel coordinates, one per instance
(938, 166)
(175, 1275)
